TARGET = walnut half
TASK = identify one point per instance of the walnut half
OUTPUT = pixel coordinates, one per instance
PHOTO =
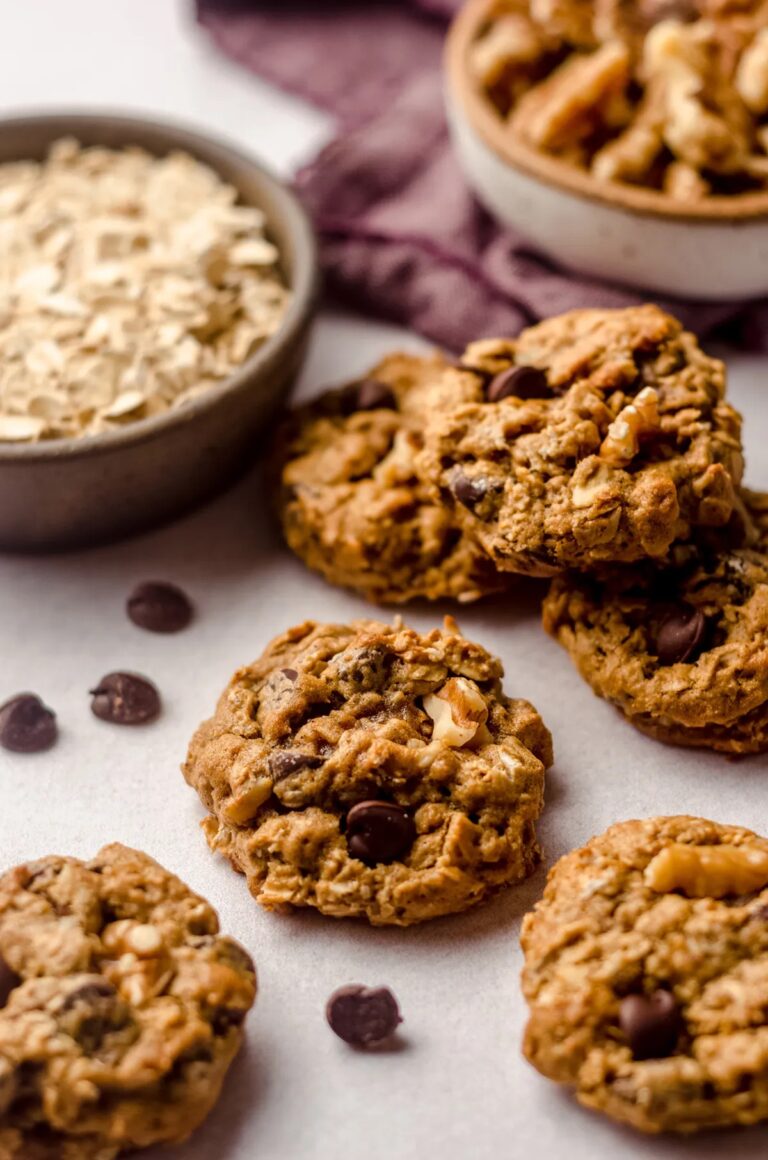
(708, 871)
(459, 712)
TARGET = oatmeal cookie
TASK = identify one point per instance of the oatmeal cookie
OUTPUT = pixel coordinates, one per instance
(121, 1007)
(597, 436)
(646, 971)
(683, 653)
(351, 504)
(370, 770)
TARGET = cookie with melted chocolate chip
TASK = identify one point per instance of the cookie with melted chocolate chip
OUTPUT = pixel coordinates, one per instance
(682, 652)
(351, 502)
(646, 970)
(121, 1007)
(596, 437)
(368, 770)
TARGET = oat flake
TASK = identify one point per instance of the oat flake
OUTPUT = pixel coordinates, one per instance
(129, 284)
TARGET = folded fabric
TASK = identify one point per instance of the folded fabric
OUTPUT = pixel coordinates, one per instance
(401, 235)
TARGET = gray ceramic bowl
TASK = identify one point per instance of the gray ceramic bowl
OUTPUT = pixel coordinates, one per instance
(77, 492)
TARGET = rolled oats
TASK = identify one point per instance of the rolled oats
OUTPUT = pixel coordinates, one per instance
(129, 285)
(670, 96)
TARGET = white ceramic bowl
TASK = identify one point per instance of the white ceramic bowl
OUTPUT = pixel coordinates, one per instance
(716, 249)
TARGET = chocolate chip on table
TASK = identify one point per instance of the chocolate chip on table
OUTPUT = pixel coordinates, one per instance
(679, 635)
(379, 832)
(159, 607)
(519, 383)
(651, 1024)
(468, 491)
(371, 395)
(27, 725)
(363, 1016)
(125, 699)
(8, 981)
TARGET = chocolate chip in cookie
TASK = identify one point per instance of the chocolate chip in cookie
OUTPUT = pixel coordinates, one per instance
(125, 699)
(9, 980)
(287, 761)
(651, 1024)
(363, 1016)
(469, 492)
(371, 395)
(680, 635)
(27, 725)
(379, 832)
(524, 382)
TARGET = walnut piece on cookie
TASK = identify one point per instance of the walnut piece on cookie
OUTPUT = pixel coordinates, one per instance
(351, 504)
(683, 653)
(121, 1007)
(647, 986)
(370, 770)
(621, 446)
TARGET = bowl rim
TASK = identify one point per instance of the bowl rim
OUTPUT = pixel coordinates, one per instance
(210, 148)
(752, 207)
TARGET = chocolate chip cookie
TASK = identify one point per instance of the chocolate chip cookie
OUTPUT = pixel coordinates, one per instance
(597, 436)
(646, 972)
(121, 1007)
(370, 770)
(351, 504)
(682, 652)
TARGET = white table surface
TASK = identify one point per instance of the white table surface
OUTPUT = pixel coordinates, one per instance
(458, 1090)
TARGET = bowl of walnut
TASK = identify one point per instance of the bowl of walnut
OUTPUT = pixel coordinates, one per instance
(628, 141)
(156, 294)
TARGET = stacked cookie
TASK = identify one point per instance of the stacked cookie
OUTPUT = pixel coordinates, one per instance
(597, 448)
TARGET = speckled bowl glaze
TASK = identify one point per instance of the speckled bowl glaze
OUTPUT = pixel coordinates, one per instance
(69, 493)
(709, 250)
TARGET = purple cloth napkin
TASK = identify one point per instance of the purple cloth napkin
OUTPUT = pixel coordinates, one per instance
(401, 236)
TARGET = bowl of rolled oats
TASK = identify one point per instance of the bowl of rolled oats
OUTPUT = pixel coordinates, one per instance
(628, 139)
(156, 294)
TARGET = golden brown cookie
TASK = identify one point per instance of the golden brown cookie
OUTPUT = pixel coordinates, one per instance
(121, 1007)
(646, 974)
(683, 652)
(370, 770)
(598, 436)
(351, 504)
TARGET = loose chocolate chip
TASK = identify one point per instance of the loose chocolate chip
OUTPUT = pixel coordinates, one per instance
(27, 725)
(159, 607)
(379, 832)
(363, 1016)
(679, 635)
(8, 980)
(520, 383)
(468, 491)
(287, 761)
(290, 674)
(651, 1024)
(125, 699)
(371, 395)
